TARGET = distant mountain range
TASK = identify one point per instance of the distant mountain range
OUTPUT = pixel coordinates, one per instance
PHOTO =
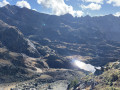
(30, 40)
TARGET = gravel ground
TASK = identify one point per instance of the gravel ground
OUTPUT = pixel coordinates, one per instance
(53, 79)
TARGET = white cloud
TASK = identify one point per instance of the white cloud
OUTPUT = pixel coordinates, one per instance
(3, 3)
(23, 4)
(114, 2)
(34, 9)
(59, 7)
(93, 1)
(79, 13)
(117, 14)
(91, 6)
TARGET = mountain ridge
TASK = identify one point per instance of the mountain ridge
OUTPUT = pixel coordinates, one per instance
(34, 44)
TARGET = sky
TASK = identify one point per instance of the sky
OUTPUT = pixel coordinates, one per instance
(76, 8)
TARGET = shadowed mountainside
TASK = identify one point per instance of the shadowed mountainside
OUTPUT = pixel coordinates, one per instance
(32, 41)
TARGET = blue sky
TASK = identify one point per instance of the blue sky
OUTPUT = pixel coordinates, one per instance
(74, 7)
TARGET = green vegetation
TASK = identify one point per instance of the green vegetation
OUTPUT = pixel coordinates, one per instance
(108, 80)
(111, 88)
(73, 83)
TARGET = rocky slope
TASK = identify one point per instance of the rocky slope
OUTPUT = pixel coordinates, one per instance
(107, 80)
(31, 43)
(15, 41)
